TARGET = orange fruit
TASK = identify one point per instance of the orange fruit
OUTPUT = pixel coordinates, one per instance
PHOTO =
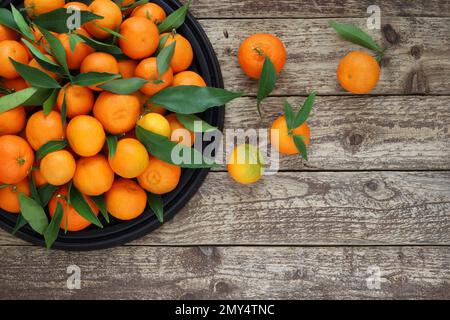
(17, 158)
(41, 129)
(82, 50)
(148, 70)
(112, 18)
(127, 68)
(188, 78)
(117, 113)
(254, 50)
(12, 121)
(126, 200)
(285, 143)
(130, 159)
(35, 8)
(141, 38)
(150, 11)
(71, 217)
(99, 62)
(58, 167)
(33, 63)
(78, 5)
(14, 84)
(179, 133)
(358, 72)
(85, 135)
(79, 100)
(9, 196)
(156, 123)
(7, 33)
(245, 164)
(39, 179)
(183, 54)
(14, 50)
(126, 3)
(160, 177)
(93, 175)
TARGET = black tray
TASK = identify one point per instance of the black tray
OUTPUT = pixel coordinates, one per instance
(119, 232)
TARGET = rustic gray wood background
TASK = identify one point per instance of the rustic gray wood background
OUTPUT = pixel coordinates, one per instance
(375, 194)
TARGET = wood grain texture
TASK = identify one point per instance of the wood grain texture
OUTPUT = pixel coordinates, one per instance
(227, 273)
(328, 208)
(355, 133)
(315, 8)
(417, 61)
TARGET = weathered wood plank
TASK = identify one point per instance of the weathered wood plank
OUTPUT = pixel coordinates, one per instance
(354, 133)
(316, 8)
(228, 273)
(418, 60)
(354, 208)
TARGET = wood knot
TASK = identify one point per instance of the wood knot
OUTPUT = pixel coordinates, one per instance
(416, 82)
(225, 33)
(353, 140)
(416, 52)
(390, 34)
(378, 190)
(221, 288)
(228, 51)
(372, 185)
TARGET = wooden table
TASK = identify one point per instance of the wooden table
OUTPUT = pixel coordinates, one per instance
(374, 197)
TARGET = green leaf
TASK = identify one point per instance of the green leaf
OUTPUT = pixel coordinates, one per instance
(80, 204)
(3, 186)
(156, 203)
(49, 147)
(33, 213)
(64, 109)
(42, 59)
(112, 32)
(301, 146)
(39, 97)
(175, 19)
(46, 192)
(162, 148)
(34, 192)
(7, 19)
(21, 23)
(16, 99)
(93, 78)
(73, 41)
(111, 141)
(194, 123)
(20, 223)
(305, 111)
(289, 115)
(100, 203)
(58, 19)
(50, 102)
(266, 82)
(192, 99)
(354, 34)
(34, 76)
(165, 58)
(57, 49)
(52, 231)
(124, 86)
(100, 46)
(162, 43)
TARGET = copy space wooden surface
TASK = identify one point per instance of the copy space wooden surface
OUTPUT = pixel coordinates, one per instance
(375, 194)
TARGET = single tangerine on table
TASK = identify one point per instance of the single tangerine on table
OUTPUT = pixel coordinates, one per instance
(245, 164)
(85, 135)
(160, 177)
(254, 50)
(358, 72)
(179, 133)
(9, 196)
(156, 123)
(141, 38)
(17, 159)
(117, 113)
(150, 11)
(35, 8)
(99, 62)
(285, 143)
(188, 78)
(183, 54)
(93, 175)
(12, 121)
(112, 18)
(82, 50)
(43, 128)
(126, 200)
(14, 50)
(58, 167)
(79, 100)
(130, 159)
(127, 68)
(7, 33)
(147, 69)
(71, 217)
